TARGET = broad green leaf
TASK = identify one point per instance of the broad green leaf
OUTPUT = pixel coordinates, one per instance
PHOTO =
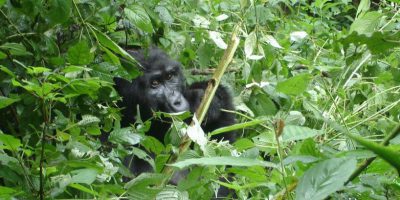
(294, 85)
(9, 142)
(269, 39)
(93, 129)
(87, 176)
(324, 178)
(112, 57)
(145, 186)
(59, 10)
(292, 133)
(172, 193)
(377, 42)
(216, 37)
(5, 101)
(88, 119)
(8, 160)
(15, 49)
(79, 54)
(386, 153)
(261, 104)
(74, 71)
(236, 127)
(223, 160)
(125, 136)
(6, 192)
(85, 86)
(37, 70)
(164, 15)
(151, 144)
(139, 18)
(83, 189)
(363, 7)
(2, 2)
(250, 44)
(302, 158)
(105, 41)
(243, 144)
(367, 23)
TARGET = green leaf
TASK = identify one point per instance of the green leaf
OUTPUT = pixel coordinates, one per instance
(377, 42)
(144, 186)
(59, 11)
(363, 7)
(9, 142)
(5, 101)
(105, 41)
(292, 133)
(15, 49)
(125, 136)
(223, 160)
(250, 44)
(164, 15)
(151, 144)
(2, 2)
(243, 144)
(139, 18)
(93, 129)
(302, 158)
(2, 55)
(80, 54)
(87, 176)
(367, 23)
(88, 119)
(7, 71)
(295, 85)
(83, 189)
(325, 178)
(111, 57)
(386, 153)
(6, 192)
(261, 104)
(236, 127)
(37, 70)
(172, 193)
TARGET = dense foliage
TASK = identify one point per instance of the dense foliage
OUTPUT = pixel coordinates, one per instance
(316, 87)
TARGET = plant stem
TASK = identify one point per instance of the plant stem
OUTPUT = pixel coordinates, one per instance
(208, 96)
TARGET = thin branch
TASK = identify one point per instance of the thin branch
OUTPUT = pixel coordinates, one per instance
(209, 71)
(208, 96)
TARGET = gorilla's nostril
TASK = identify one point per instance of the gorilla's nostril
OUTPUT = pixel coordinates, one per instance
(177, 103)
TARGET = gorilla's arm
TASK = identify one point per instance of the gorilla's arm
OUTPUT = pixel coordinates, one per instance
(215, 118)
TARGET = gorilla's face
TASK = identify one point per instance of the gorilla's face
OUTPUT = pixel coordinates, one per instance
(164, 86)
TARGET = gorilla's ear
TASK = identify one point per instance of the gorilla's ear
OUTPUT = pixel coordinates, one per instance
(122, 86)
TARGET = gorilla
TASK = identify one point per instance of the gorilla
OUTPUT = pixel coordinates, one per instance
(162, 87)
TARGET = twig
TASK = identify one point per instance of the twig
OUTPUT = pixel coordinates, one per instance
(208, 96)
(366, 163)
(209, 71)
(46, 109)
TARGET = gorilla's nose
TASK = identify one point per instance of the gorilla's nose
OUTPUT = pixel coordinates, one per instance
(179, 103)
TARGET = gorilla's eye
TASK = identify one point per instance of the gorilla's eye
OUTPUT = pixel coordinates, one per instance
(155, 83)
(169, 76)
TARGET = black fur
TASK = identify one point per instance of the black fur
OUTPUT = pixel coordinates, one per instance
(136, 93)
(172, 94)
